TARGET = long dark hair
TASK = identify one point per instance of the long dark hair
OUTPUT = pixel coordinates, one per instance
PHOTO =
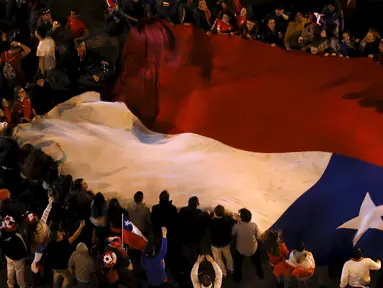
(272, 242)
(98, 206)
(115, 212)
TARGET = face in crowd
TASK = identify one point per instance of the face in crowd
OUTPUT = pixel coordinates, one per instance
(299, 17)
(225, 18)
(47, 17)
(224, 6)
(74, 14)
(243, 12)
(271, 24)
(346, 37)
(370, 36)
(22, 93)
(250, 25)
(323, 34)
(40, 82)
(314, 50)
(279, 11)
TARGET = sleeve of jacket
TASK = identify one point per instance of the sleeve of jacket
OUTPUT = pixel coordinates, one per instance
(288, 35)
(218, 275)
(194, 275)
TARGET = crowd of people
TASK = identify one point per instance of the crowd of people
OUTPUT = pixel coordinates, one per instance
(78, 237)
(69, 235)
(50, 56)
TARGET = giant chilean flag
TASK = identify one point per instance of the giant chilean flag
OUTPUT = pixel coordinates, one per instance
(237, 123)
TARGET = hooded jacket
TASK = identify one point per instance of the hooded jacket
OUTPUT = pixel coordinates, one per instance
(82, 262)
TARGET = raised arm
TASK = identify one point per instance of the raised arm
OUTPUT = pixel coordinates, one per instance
(372, 265)
(194, 271)
(47, 211)
(77, 233)
(217, 271)
(164, 244)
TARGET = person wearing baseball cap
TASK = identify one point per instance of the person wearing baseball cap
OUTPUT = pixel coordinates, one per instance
(15, 250)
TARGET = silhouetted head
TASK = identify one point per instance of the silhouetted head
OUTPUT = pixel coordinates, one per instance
(138, 197)
(193, 202)
(356, 253)
(219, 211)
(245, 215)
(164, 196)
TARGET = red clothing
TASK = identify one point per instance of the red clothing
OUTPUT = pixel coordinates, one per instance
(241, 21)
(77, 27)
(238, 6)
(281, 268)
(224, 27)
(15, 61)
(7, 114)
(22, 109)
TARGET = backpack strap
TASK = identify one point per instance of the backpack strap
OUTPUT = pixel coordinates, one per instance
(21, 238)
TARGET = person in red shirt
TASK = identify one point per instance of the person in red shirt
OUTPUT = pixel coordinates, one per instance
(22, 111)
(76, 26)
(277, 251)
(223, 25)
(241, 18)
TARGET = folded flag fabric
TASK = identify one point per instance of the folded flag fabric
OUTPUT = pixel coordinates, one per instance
(251, 96)
(132, 236)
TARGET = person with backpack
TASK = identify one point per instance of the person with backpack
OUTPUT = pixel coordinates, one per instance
(10, 63)
(15, 251)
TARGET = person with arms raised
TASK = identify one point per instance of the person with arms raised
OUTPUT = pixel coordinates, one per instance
(205, 281)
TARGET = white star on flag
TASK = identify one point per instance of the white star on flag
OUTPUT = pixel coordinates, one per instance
(369, 218)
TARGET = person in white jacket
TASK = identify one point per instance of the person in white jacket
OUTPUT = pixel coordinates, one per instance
(301, 258)
(205, 281)
(356, 271)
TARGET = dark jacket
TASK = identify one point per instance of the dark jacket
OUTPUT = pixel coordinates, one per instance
(42, 98)
(13, 247)
(164, 215)
(75, 67)
(349, 50)
(220, 229)
(192, 224)
(370, 48)
(271, 37)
